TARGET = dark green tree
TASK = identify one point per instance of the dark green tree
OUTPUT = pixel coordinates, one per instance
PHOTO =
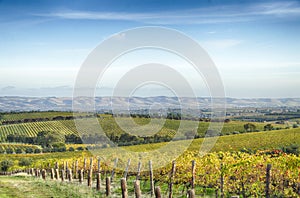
(6, 164)
(48, 138)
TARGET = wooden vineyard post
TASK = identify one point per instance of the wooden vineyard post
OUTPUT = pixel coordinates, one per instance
(84, 166)
(66, 171)
(268, 175)
(138, 171)
(84, 163)
(157, 192)
(99, 165)
(98, 183)
(127, 169)
(91, 163)
(56, 174)
(124, 188)
(113, 170)
(191, 193)
(80, 175)
(222, 181)
(31, 171)
(76, 169)
(171, 179)
(62, 175)
(52, 173)
(107, 186)
(73, 168)
(56, 165)
(151, 179)
(90, 178)
(193, 173)
(137, 189)
(38, 172)
(70, 175)
(44, 174)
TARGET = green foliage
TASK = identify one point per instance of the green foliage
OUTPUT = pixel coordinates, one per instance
(19, 150)
(29, 150)
(6, 164)
(25, 162)
(37, 150)
(250, 127)
(59, 147)
(9, 151)
(49, 138)
(80, 148)
(71, 149)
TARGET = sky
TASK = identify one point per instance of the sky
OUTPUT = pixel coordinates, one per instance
(255, 45)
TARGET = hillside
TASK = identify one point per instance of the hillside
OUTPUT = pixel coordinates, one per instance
(10, 103)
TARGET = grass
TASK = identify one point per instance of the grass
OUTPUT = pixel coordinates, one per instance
(27, 187)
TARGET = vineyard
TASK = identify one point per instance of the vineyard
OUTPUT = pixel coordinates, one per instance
(247, 164)
(15, 147)
(110, 126)
(217, 174)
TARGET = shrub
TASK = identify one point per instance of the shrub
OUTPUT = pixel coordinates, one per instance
(9, 151)
(24, 162)
(18, 151)
(37, 150)
(46, 150)
(2, 150)
(29, 150)
(71, 149)
(80, 148)
(6, 164)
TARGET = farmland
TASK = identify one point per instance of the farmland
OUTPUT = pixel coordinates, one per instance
(238, 156)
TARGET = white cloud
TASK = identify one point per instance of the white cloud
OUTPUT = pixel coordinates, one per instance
(203, 15)
(221, 44)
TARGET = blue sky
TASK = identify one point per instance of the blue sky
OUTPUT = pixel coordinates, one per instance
(254, 44)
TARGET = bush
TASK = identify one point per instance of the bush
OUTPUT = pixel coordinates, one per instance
(46, 150)
(24, 162)
(9, 151)
(6, 164)
(29, 150)
(18, 151)
(37, 150)
(80, 148)
(71, 149)
(2, 150)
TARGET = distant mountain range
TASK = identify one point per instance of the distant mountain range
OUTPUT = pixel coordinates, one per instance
(11, 103)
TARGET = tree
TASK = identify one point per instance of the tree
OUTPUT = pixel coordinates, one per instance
(48, 138)
(268, 127)
(6, 164)
(249, 127)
